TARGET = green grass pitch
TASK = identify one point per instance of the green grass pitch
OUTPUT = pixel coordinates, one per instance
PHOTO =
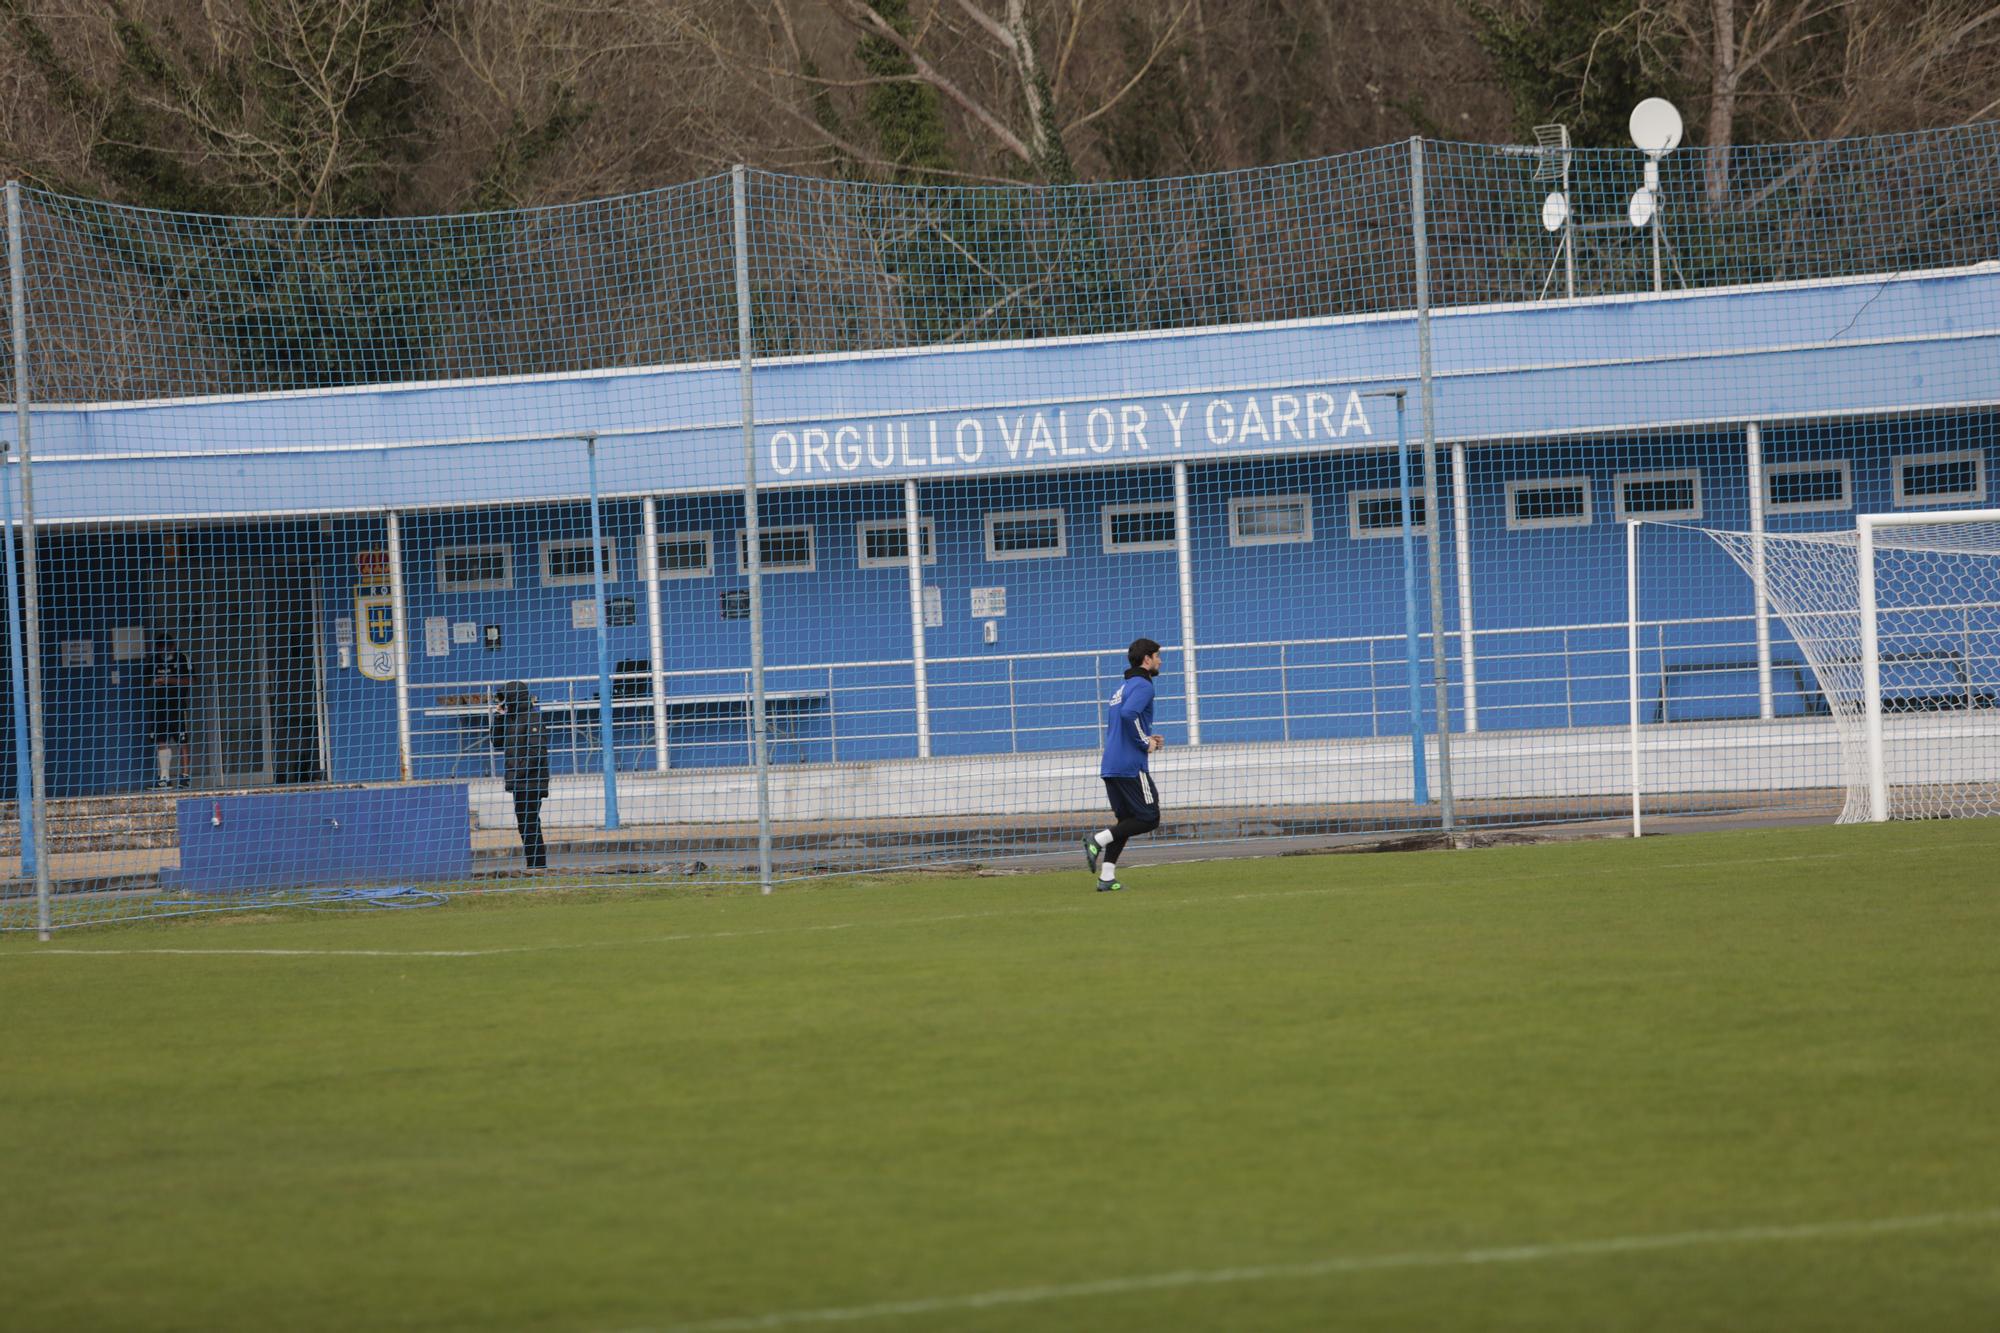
(1728, 1081)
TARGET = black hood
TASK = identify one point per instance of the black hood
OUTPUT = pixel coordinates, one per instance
(515, 697)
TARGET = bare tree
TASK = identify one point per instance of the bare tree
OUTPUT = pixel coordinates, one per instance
(551, 99)
(297, 106)
(1013, 73)
(1820, 69)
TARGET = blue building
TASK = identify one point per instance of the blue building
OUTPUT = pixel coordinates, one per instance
(353, 569)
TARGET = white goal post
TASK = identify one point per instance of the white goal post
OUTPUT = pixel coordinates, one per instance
(1899, 619)
(1970, 541)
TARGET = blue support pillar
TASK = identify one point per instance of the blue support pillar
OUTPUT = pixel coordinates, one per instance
(18, 679)
(606, 728)
(1420, 787)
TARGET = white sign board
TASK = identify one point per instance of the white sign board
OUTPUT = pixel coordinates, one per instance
(988, 603)
(437, 636)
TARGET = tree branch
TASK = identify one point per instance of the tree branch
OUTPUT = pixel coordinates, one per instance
(863, 15)
(1152, 58)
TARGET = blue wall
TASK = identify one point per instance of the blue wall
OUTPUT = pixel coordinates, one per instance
(1079, 610)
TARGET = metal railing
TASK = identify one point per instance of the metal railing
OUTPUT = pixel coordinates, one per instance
(1544, 677)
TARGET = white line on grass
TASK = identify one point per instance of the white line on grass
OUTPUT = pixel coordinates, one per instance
(441, 953)
(1196, 900)
(683, 938)
(275, 953)
(1334, 1267)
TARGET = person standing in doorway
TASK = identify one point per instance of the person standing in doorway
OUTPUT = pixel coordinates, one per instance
(1129, 740)
(523, 740)
(169, 701)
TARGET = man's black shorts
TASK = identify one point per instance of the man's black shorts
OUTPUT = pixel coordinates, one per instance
(1134, 798)
(169, 728)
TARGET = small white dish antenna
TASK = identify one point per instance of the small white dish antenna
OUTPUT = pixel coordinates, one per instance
(1555, 211)
(1642, 208)
(1656, 127)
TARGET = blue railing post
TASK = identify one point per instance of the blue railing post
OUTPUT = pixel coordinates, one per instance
(1420, 787)
(606, 728)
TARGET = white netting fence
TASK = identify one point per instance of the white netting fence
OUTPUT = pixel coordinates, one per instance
(310, 495)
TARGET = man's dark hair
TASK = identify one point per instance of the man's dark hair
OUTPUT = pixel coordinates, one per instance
(1140, 650)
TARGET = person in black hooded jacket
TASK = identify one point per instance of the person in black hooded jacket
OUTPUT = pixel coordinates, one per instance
(520, 736)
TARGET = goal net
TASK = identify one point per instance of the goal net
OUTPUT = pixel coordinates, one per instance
(1899, 620)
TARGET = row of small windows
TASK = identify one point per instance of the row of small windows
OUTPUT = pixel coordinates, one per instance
(1254, 520)
(1027, 534)
(1813, 486)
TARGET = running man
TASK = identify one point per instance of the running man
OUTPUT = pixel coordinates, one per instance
(1128, 739)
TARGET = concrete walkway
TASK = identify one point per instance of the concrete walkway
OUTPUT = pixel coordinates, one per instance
(1026, 840)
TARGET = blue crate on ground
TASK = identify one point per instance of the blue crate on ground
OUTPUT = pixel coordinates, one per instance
(308, 839)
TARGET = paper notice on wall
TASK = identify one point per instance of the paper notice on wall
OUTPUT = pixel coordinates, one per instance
(465, 633)
(933, 607)
(988, 603)
(583, 613)
(343, 631)
(79, 652)
(128, 642)
(437, 636)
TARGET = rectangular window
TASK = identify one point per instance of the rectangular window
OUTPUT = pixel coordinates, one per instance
(1932, 479)
(1139, 527)
(1026, 534)
(886, 544)
(1549, 502)
(686, 555)
(1380, 513)
(475, 568)
(567, 563)
(1807, 488)
(1270, 520)
(780, 550)
(1658, 495)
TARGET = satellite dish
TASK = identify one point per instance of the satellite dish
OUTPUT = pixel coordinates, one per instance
(1642, 208)
(1656, 127)
(1555, 211)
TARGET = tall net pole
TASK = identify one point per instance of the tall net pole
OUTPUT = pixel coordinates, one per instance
(752, 540)
(37, 770)
(1440, 652)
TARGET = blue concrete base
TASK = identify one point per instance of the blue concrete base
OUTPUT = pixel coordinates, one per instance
(303, 839)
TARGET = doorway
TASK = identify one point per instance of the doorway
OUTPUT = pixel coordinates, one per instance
(250, 634)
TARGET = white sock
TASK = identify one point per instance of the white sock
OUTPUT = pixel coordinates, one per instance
(1106, 872)
(1102, 837)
